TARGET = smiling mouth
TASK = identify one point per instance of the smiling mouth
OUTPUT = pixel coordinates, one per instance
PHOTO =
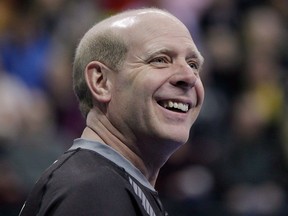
(175, 106)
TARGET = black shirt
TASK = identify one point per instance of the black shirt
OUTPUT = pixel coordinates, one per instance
(84, 182)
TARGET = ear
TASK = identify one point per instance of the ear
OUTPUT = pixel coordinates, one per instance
(96, 75)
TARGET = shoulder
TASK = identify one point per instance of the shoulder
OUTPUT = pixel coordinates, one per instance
(84, 168)
(84, 184)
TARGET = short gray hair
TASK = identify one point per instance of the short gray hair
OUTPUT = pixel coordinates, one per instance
(105, 46)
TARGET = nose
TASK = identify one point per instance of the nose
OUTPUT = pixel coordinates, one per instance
(185, 78)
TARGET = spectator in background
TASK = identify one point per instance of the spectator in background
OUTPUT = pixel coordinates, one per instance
(26, 133)
(25, 50)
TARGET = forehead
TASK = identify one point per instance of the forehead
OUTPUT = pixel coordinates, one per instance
(159, 33)
(147, 26)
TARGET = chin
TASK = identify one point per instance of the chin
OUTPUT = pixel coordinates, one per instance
(173, 135)
(179, 135)
(177, 139)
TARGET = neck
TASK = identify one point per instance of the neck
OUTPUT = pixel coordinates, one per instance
(100, 129)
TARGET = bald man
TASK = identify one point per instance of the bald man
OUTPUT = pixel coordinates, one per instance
(136, 76)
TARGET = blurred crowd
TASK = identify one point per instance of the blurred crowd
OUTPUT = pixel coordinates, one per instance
(236, 160)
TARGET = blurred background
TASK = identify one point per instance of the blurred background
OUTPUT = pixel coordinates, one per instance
(236, 160)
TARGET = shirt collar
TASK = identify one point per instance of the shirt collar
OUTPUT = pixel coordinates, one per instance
(112, 155)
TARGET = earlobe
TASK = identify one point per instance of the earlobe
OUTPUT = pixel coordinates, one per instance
(96, 75)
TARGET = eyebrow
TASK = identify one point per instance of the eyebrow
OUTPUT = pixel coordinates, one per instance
(192, 54)
(196, 55)
(156, 52)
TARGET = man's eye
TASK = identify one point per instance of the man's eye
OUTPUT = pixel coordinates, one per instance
(159, 60)
(193, 65)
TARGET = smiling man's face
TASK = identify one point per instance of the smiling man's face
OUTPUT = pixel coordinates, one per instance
(158, 93)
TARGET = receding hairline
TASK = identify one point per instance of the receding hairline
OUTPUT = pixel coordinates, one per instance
(109, 24)
(133, 13)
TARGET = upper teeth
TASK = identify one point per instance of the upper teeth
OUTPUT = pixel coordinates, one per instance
(176, 105)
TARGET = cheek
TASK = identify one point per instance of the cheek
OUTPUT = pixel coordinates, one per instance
(138, 87)
(145, 86)
(200, 92)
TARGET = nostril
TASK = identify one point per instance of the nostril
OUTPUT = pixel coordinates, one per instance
(184, 79)
(183, 84)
